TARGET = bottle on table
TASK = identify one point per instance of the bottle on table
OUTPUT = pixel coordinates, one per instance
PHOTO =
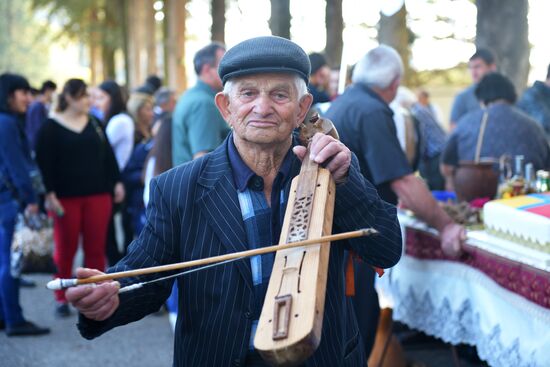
(543, 181)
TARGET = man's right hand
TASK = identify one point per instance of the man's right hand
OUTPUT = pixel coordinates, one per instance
(96, 303)
(453, 237)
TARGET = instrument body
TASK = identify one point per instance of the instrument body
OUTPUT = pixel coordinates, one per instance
(289, 329)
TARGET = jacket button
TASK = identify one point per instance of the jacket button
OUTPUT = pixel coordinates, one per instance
(237, 362)
(247, 314)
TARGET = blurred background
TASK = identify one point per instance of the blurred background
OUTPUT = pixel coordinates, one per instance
(127, 40)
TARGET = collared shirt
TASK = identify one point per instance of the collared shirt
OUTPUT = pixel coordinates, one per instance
(464, 103)
(262, 222)
(365, 124)
(197, 125)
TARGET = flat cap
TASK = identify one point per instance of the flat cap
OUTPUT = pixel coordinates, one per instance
(269, 54)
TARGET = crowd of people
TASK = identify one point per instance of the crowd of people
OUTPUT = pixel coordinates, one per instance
(100, 149)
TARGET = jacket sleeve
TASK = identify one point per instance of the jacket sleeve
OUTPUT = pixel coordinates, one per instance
(156, 245)
(14, 159)
(358, 206)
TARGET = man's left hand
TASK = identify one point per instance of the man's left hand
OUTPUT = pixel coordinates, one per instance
(335, 156)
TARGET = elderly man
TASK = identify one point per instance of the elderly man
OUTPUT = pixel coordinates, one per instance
(363, 118)
(234, 199)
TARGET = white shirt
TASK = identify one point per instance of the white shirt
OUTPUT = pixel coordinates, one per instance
(149, 174)
(120, 131)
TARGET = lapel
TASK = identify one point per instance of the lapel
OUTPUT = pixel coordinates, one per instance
(220, 205)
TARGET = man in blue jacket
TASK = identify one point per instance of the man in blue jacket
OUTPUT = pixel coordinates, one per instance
(234, 199)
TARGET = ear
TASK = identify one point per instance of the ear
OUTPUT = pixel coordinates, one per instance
(303, 105)
(222, 102)
(395, 83)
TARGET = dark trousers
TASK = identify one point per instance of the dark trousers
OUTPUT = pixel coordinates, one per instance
(365, 303)
(10, 310)
(112, 250)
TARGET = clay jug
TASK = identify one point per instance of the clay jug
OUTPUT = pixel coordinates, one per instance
(474, 180)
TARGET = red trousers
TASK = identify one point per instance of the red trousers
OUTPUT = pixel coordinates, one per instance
(86, 215)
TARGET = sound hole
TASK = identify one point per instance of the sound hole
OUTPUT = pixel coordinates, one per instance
(300, 218)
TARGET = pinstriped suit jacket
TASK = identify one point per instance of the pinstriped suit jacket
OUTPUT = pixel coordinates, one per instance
(194, 213)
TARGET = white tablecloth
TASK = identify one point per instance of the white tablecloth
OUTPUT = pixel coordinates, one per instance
(460, 304)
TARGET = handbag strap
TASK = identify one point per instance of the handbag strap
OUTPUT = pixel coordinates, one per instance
(481, 135)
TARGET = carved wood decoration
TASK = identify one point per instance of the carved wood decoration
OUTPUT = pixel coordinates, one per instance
(289, 329)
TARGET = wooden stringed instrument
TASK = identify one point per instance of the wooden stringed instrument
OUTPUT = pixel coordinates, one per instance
(289, 328)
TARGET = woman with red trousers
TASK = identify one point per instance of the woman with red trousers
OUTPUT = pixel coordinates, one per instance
(81, 176)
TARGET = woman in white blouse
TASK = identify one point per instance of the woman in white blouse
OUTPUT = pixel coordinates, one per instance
(120, 130)
(120, 127)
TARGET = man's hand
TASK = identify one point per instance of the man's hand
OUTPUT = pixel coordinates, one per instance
(453, 236)
(326, 149)
(96, 303)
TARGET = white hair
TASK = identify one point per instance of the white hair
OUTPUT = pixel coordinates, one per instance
(379, 67)
(299, 83)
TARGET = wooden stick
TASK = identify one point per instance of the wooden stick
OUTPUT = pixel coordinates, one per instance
(64, 283)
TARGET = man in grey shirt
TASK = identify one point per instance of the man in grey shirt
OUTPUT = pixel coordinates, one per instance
(481, 63)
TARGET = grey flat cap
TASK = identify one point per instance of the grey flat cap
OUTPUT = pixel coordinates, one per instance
(264, 55)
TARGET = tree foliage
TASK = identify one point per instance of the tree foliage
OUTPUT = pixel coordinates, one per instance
(24, 46)
(83, 19)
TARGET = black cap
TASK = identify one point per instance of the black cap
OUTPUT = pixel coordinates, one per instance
(269, 54)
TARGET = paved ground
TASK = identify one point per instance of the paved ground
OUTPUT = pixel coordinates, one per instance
(147, 343)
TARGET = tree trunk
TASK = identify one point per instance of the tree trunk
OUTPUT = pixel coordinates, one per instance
(335, 27)
(96, 61)
(393, 31)
(175, 44)
(141, 45)
(124, 37)
(218, 20)
(279, 23)
(502, 28)
(150, 38)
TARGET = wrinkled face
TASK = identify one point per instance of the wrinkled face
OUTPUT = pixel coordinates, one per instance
(19, 101)
(264, 108)
(101, 100)
(478, 68)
